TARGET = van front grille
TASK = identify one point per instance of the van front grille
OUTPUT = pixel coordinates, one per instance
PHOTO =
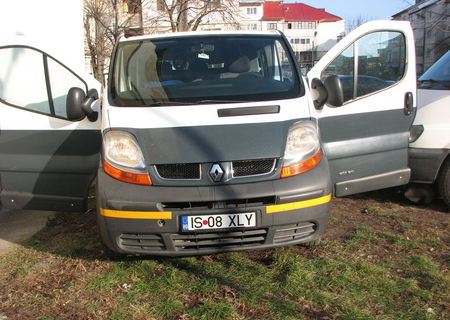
(201, 241)
(179, 171)
(247, 168)
(230, 204)
(294, 232)
(141, 242)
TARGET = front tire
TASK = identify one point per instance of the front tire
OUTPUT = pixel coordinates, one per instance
(444, 182)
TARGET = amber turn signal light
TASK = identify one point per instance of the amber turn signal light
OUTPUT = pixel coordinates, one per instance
(301, 167)
(125, 176)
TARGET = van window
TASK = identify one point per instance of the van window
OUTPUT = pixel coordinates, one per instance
(437, 77)
(203, 69)
(22, 79)
(379, 59)
(32, 80)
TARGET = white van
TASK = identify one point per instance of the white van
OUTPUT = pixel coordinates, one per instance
(211, 141)
(430, 133)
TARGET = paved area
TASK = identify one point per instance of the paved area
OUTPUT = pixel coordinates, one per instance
(17, 226)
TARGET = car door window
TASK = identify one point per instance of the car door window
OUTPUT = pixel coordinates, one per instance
(379, 59)
(61, 80)
(32, 80)
(23, 84)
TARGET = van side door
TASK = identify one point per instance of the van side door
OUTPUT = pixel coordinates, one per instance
(48, 156)
(366, 139)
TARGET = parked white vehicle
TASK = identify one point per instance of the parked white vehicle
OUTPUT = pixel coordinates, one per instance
(210, 141)
(430, 134)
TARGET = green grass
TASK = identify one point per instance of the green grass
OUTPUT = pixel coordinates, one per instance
(374, 271)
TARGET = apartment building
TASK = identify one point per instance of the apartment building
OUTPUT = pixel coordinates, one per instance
(430, 20)
(311, 31)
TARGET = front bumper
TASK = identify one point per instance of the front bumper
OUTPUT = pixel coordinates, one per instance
(137, 219)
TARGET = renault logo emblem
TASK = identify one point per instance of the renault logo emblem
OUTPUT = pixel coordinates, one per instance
(216, 172)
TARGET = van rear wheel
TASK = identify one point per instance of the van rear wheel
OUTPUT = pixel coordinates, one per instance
(444, 182)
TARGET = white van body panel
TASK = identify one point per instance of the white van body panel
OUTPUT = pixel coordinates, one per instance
(381, 100)
(433, 112)
(201, 115)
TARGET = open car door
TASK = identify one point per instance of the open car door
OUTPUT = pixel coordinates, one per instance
(364, 92)
(49, 136)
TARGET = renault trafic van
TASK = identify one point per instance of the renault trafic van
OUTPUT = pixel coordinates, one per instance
(213, 142)
(430, 133)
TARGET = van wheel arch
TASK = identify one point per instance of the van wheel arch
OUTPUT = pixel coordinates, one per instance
(443, 181)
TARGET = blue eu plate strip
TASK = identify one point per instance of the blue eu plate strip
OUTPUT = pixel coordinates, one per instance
(185, 223)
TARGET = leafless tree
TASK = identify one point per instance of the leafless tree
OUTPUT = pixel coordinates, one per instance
(104, 22)
(355, 22)
(188, 15)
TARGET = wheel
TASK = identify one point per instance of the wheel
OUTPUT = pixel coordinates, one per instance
(444, 182)
(113, 255)
(313, 243)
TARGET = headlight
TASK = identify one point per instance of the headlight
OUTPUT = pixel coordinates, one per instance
(120, 148)
(302, 151)
(302, 142)
(122, 158)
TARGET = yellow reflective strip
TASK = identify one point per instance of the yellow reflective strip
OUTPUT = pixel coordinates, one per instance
(298, 204)
(136, 214)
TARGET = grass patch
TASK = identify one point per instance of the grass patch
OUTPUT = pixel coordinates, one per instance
(390, 263)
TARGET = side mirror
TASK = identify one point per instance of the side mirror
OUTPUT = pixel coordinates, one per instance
(322, 97)
(335, 91)
(329, 92)
(74, 100)
(78, 104)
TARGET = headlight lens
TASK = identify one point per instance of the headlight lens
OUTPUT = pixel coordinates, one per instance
(302, 143)
(121, 148)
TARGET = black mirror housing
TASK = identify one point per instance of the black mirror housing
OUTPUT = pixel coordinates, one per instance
(78, 104)
(318, 85)
(335, 91)
(74, 101)
(91, 96)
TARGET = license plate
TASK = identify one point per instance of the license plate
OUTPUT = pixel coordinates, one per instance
(219, 221)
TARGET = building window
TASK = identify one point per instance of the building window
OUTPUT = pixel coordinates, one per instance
(251, 11)
(160, 5)
(302, 25)
(305, 41)
(214, 3)
(132, 6)
(251, 26)
(271, 26)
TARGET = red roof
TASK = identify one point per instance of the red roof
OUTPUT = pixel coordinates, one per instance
(296, 12)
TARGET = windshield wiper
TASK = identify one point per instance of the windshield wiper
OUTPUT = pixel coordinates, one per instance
(220, 101)
(168, 103)
(445, 83)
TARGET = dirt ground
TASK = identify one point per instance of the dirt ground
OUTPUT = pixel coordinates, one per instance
(63, 272)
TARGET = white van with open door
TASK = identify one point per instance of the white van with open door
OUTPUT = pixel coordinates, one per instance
(430, 134)
(212, 141)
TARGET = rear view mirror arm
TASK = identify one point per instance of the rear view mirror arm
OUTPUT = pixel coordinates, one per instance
(91, 96)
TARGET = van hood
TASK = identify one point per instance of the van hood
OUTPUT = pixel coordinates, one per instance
(196, 134)
(213, 143)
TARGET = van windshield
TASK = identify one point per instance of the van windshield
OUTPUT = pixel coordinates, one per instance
(203, 69)
(438, 75)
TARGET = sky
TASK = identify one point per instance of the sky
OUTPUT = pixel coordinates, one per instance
(366, 9)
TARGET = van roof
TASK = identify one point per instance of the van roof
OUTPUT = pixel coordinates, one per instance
(198, 33)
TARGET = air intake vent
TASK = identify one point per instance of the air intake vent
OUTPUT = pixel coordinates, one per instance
(293, 232)
(179, 171)
(247, 168)
(141, 242)
(219, 240)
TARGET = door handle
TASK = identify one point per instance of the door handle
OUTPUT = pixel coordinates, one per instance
(409, 103)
